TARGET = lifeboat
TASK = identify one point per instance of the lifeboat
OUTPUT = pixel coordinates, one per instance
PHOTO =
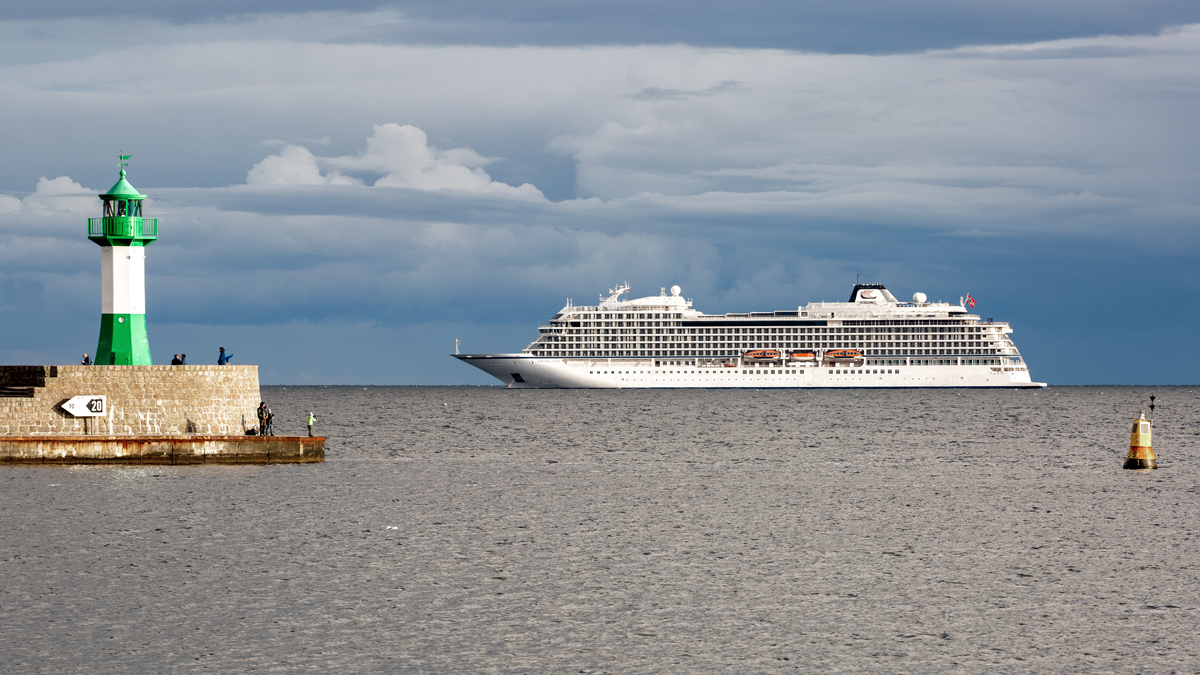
(843, 355)
(803, 355)
(761, 355)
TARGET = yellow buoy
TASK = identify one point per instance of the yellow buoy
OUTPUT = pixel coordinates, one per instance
(1141, 451)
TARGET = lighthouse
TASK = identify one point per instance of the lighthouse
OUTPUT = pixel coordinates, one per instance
(123, 235)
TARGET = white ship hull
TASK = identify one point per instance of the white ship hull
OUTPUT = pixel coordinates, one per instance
(871, 341)
(521, 371)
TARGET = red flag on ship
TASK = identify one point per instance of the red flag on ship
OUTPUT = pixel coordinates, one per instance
(970, 300)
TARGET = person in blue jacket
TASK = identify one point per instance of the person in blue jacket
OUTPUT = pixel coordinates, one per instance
(224, 358)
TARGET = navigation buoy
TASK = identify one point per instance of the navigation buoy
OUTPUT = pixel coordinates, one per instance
(1141, 454)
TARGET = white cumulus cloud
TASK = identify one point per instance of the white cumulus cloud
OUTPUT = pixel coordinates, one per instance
(53, 196)
(294, 165)
(400, 154)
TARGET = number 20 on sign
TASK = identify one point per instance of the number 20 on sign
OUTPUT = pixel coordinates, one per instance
(87, 406)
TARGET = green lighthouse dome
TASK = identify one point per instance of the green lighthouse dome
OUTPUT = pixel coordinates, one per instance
(122, 190)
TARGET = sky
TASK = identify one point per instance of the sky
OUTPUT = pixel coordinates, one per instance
(344, 191)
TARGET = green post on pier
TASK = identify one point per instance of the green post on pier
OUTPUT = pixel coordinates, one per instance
(123, 235)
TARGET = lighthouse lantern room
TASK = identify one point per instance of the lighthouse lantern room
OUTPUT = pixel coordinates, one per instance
(123, 235)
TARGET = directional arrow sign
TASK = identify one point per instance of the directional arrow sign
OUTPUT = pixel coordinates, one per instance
(87, 406)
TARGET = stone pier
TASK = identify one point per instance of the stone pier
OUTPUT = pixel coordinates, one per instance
(142, 400)
(156, 415)
(161, 450)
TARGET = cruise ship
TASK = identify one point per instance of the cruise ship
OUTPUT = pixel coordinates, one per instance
(871, 341)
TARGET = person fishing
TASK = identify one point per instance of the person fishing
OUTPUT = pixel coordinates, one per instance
(224, 358)
(311, 419)
(262, 418)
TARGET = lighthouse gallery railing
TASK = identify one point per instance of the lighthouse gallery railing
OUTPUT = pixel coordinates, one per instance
(126, 227)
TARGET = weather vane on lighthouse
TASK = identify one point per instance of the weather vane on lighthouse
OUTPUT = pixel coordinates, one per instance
(123, 235)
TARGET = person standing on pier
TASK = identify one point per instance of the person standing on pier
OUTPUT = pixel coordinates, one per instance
(87, 360)
(262, 418)
(224, 358)
(311, 419)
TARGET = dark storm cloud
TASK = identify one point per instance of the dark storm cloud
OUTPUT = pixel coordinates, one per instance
(312, 188)
(865, 26)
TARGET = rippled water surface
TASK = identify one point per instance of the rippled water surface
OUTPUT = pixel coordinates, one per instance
(486, 530)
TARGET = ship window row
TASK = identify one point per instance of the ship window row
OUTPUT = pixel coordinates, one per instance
(971, 360)
(611, 317)
(747, 330)
(913, 322)
(658, 335)
(643, 336)
(782, 371)
(748, 341)
(681, 348)
(608, 316)
(937, 362)
(779, 340)
(833, 371)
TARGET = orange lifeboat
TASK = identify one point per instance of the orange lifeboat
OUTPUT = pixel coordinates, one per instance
(761, 355)
(843, 355)
(803, 355)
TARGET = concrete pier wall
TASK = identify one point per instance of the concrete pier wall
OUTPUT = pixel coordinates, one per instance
(161, 450)
(142, 400)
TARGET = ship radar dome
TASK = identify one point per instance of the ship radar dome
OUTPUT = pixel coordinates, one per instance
(919, 298)
(675, 290)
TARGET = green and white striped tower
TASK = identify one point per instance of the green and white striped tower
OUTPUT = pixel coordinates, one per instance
(123, 235)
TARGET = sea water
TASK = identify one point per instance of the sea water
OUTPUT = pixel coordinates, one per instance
(485, 530)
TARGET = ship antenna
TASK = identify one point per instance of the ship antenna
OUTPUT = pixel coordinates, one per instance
(1152, 408)
(456, 343)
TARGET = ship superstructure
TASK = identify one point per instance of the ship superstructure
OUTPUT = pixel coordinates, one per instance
(872, 340)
